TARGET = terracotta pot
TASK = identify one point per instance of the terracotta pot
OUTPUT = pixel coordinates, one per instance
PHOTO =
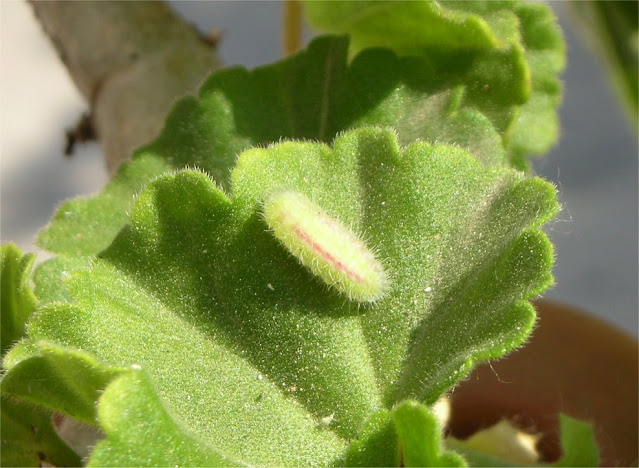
(575, 364)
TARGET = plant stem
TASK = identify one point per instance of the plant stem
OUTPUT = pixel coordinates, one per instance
(292, 27)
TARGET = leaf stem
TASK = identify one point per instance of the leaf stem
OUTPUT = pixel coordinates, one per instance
(292, 27)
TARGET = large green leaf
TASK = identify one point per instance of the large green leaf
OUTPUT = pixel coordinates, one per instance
(256, 355)
(17, 298)
(506, 53)
(312, 95)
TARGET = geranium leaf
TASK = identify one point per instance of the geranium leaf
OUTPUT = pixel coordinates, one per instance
(28, 437)
(376, 443)
(57, 378)
(312, 95)
(506, 54)
(140, 432)
(536, 127)
(578, 444)
(18, 300)
(419, 437)
(409, 435)
(44, 377)
(257, 355)
(51, 275)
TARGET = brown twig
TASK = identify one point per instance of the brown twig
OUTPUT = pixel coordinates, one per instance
(130, 60)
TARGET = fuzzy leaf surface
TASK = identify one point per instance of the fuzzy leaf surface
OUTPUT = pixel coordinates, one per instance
(419, 436)
(17, 298)
(28, 437)
(376, 443)
(57, 378)
(507, 54)
(256, 355)
(409, 435)
(140, 431)
(312, 95)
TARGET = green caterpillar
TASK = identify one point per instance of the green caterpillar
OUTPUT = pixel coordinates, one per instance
(324, 246)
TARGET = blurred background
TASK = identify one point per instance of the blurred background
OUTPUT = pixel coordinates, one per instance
(594, 165)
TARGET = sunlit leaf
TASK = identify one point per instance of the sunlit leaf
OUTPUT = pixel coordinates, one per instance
(506, 56)
(312, 95)
(259, 357)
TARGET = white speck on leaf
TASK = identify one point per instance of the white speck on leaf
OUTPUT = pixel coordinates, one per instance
(325, 421)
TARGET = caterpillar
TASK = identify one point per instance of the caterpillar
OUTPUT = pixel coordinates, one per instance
(325, 246)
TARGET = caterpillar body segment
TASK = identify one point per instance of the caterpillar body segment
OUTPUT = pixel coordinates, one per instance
(325, 246)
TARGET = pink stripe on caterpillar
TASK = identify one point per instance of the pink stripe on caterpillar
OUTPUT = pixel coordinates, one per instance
(324, 246)
(329, 258)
